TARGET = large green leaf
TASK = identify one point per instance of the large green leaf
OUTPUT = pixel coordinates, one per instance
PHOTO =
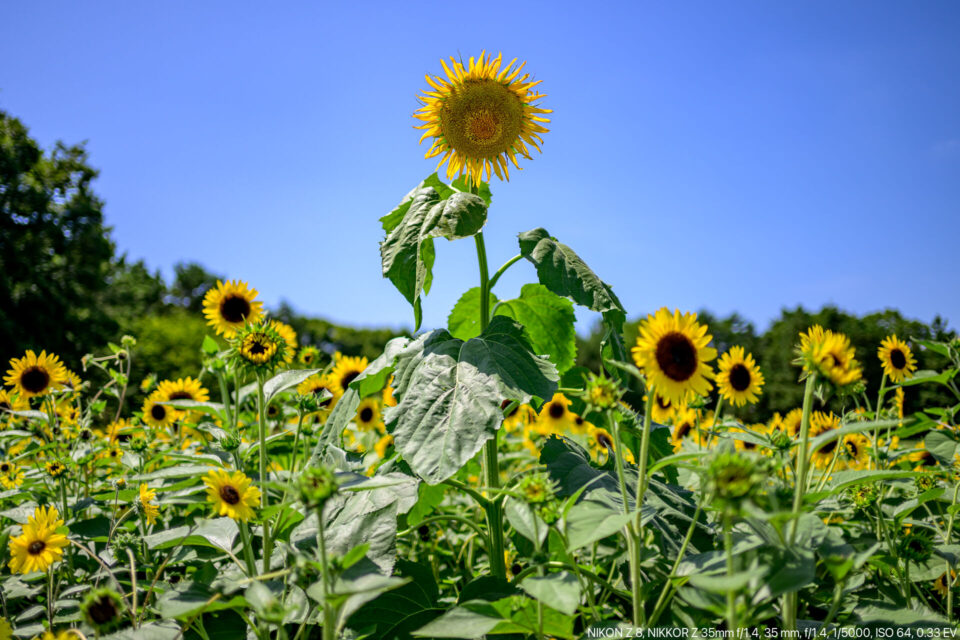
(562, 271)
(430, 210)
(219, 533)
(285, 380)
(548, 320)
(451, 392)
(395, 614)
(464, 319)
(560, 591)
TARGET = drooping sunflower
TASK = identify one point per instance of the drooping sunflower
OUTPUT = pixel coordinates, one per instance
(672, 351)
(739, 380)
(480, 116)
(230, 305)
(150, 510)
(830, 354)
(942, 586)
(345, 369)
(289, 337)
(232, 494)
(368, 415)
(34, 375)
(554, 416)
(39, 545)
(897, 359)
(156, 414)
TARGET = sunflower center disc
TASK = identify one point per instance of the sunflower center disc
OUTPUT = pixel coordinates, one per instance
(483, 127)
(677, 356)
(897, 359)
(604, 441)
(482, 119)
(102, 611)
(180, 395)
(557, 410)
(36, 547)
(158, 412)
(663, 404)
(348, 378)
(740, 377)
(366, 414)
(34, 379)
(234, 309)
(229, 495)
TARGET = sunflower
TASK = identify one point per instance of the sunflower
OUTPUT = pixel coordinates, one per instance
(73, 381)
(150, 510)
(744, 445)
(156, 414)
(39, 546)
(739, 380)
(672, 350)
(853, 452)
(34, 375)
(480, 116)
(555, 416)
(116, 431)
(229, 306)
(382, 444)
(345, 369)
(922, 459)
(103, 609)
(55, 468)
(309, 356)
(182, 389)
(579, 425)
(368, 415)
(388, 399)
(315, 385)
(11, 475)
(897, 359)
(829, 354)
(662, 410)
(289, 337)
(520, 416)
(231, 493)
(260, 348)
(820, 423)
(684, 424)
(12, 402)
(941, 586)
(791, 422)
(6, 631)
(601, 443)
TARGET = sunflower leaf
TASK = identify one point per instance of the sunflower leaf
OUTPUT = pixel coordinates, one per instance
(407, 254)
(464, 319)
(562, 271)
(450, 393)
(548, 320)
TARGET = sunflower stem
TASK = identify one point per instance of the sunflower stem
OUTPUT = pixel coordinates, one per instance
(634, 550)
(876, 417)
(225, 395)
(503, 269)
(491, 466)
(247, 550)
(329, 632)
(731, 593)
(262, 420)
(790, 600)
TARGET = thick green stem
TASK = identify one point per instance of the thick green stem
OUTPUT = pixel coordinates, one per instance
(876, 417)
(329, 623)
(790, 601)
(731, 593)
(502, 270)
(634, 551)
(225, 396)
(264, 501)
(247, 550)
(491, 465)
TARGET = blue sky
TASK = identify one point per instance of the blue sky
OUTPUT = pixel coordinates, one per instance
(734, 156)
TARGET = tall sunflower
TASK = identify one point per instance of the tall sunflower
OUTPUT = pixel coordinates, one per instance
(230, 305)
(34, 375)
(260, 348)
(673, 353)
(232, 494)
(897, 359)
(39, 545)
(823, 422)
(345, 369)
(739, 380)
(829, 354)
(480, 116)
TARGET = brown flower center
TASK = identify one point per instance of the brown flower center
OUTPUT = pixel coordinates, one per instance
(898, 359)
(556, 410)
(740, 377)
(348, 378)
(35, 379)
(158, 412)
(229, 494)
(103, 610)
(181, 395)
(234, 309)
(366, 414)
(36, 547)
(677, 356)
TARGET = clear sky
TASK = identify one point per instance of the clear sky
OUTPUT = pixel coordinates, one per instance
(729, 155)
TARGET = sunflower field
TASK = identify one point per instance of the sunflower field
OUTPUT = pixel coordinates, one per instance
(472, 481)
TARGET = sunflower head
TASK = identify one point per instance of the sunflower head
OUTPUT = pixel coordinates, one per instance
(145, 502)
(157, 414)
(830, 355)
(231, 494)
(183, 389)
(259, 348)
(34, 375)
(55, 469)
(672, 351)
(309, 356)
(555, 416)
(289, 336)
(103, 609)
(602, 392)
(897, 359)
(39, 545)
(734, 477)
(739, 380)
(368, 415)
(345, 370)
(480, 116)
(231, 305)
